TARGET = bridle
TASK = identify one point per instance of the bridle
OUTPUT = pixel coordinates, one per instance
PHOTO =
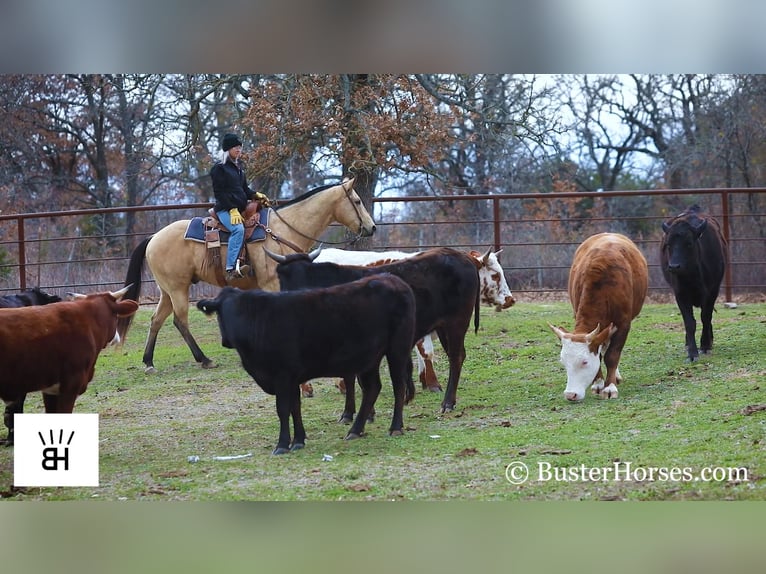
(297, 249)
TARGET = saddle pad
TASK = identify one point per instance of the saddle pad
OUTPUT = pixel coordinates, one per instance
(195, 231)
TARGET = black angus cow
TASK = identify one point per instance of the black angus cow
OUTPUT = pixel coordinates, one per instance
(287, 338)
(27, 298)
(445, 282)
(693, 257)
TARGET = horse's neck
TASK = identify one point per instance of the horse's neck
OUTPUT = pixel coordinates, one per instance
(309, 217)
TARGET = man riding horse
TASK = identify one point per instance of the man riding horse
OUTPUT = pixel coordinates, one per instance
(231, 196)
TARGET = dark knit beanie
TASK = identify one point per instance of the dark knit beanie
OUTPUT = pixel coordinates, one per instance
(229, 141)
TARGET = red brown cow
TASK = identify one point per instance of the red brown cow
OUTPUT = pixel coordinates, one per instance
(608, 282)
(53, 349)
(493, 291)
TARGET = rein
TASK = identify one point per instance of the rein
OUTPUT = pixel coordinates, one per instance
(297, 249)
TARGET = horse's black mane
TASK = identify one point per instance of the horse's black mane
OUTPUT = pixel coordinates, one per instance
(306, 195)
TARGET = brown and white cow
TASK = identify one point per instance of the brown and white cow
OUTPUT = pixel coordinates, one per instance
(493, 291)
(608, 282)
(53, 349)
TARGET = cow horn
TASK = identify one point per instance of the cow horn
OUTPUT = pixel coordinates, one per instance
(315, 253)
(121, 293)
(485, 257)
(275, 256)
(593, 333)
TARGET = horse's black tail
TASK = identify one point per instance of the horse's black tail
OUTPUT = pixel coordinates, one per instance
(133, 280)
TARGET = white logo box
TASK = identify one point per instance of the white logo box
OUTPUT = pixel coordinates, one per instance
(55, 450)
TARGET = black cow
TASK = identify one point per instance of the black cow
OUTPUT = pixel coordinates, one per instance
(693, 256)
(27, 298)
(287, 338)
(445, 282)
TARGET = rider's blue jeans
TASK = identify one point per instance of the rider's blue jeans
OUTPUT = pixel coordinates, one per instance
(235, 240)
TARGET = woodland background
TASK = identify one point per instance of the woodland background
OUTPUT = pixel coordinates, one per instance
(113, 140)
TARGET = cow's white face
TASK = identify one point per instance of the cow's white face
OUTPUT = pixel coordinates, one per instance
(581, 357)
(494, 288)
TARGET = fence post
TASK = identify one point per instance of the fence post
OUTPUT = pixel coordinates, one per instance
(727, 272)
(22, 254)
(496, 218)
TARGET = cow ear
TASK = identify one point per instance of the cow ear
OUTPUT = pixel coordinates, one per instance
(665, 226)
(126, 308)
(485, 257)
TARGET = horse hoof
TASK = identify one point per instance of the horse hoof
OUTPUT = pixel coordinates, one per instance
(209, 365)
(297, 446)
(150, 370)
(398, 432)
(345, 419)
(280, 450)
(352, 436)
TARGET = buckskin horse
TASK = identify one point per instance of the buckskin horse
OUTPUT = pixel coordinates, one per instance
(177, 263)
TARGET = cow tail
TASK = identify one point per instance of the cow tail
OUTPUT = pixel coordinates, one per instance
(133, 282)
(477, 306)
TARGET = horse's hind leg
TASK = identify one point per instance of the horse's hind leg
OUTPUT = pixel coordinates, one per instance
(164, 308)
(181, 321)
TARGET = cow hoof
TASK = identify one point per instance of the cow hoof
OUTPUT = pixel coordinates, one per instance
(398, 432)
(150, 370)
(353, 436)
(435, 389)
(297, 446)
(609, 392)
(280, 450)
(209, 365)
(447, 408)
(346, 419)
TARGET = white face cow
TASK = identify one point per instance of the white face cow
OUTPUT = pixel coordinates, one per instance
(494, 287)
(581, 357)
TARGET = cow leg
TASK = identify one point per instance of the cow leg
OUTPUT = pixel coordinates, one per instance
(299, 433)
(706, 315)
(370, 383)
(611, 361)
(456, 354)
(426, 373)
(400, 371)
(349, 402)
(11, 409)
(690, 326)
(285, 399)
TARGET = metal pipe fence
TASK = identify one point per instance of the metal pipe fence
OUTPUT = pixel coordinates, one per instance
(88, 250)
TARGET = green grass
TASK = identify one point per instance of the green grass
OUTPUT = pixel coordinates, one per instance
(670, 414)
